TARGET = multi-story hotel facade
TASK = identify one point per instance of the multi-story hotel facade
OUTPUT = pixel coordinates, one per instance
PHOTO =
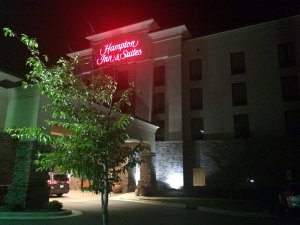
(241, 83)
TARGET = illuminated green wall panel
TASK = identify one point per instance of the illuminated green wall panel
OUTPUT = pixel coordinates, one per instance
(23, 108)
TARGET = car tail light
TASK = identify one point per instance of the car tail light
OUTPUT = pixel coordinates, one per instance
(52, 182)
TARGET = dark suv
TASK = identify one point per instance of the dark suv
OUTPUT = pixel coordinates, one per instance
(58, 184)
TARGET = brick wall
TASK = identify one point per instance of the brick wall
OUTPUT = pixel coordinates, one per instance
(29, 187)
(7, 158)
(168, 161)
(7, 162)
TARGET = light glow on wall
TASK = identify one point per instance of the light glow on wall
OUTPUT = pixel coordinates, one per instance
(110, 53)
(175, 180)
(137, 174)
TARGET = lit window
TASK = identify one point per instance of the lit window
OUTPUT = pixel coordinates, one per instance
(239, 94)
(197, 128)
(289, 87)
(196, 98)
(241, 125)
(292, 122)
(196, 70)
(159, 103)
(159, 76)
(237, 61)
(286, 54)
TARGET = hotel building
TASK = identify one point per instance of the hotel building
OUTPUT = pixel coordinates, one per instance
(241, 83)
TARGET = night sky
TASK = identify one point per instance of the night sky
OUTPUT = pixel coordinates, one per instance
(61, 26)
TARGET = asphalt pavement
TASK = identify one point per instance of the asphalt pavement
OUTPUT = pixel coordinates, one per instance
(128, 209)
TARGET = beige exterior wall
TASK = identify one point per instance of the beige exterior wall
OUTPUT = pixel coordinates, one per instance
(265, 105)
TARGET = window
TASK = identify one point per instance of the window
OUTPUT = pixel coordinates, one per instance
(122, 80)
(197, 128)
(286, 55)
(160, 133)
(159, 103)
(292, 122)
(159, 76)
(239, 94)
(237, 61)
(289, 87)
(196, 98)
(196, 70)
(241, 125)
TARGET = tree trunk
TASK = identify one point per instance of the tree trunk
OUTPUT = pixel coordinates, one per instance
(104, 196)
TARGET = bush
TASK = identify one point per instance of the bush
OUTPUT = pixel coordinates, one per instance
(14, 203)
(53, 206)
(15, 207)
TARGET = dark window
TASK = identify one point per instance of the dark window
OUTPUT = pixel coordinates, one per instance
(197, 128)
(239, 94)
(241, 125)
(286, 54)
(292, 122)
(60, 177)
(196, 98)
(122, 80)
(237, 61)
(159, 76)
(196, 70)
(289, 87)
(160, 133)
(159, 103)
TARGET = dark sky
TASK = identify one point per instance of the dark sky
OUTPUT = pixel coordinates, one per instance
(61, 26)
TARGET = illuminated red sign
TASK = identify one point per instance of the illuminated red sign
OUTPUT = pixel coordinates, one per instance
(110, 53)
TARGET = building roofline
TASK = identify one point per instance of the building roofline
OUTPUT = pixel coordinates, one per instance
(81, 53)
(171, 32)
(5, 75)
(247, 28)
(146, 25)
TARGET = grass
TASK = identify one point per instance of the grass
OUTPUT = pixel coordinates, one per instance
(225, 204)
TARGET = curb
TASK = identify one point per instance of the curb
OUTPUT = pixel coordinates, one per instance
(152, 202)
(38, 215)
(235, 213)
(199, 208)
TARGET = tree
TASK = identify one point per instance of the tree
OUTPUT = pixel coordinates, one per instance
(89, 109)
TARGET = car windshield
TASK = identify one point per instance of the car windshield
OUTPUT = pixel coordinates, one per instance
(60, 177)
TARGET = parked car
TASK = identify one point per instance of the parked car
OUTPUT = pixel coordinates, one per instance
(58, 184)
(289, 197)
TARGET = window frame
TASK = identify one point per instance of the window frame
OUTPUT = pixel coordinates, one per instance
(236, 97)
(195, 75)
(161, 98)
(159, 76)
(239, 68)
(243, 132)
(194, 99)
(286, 54)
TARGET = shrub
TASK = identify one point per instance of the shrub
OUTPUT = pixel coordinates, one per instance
(53, 206)
(14, 203)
